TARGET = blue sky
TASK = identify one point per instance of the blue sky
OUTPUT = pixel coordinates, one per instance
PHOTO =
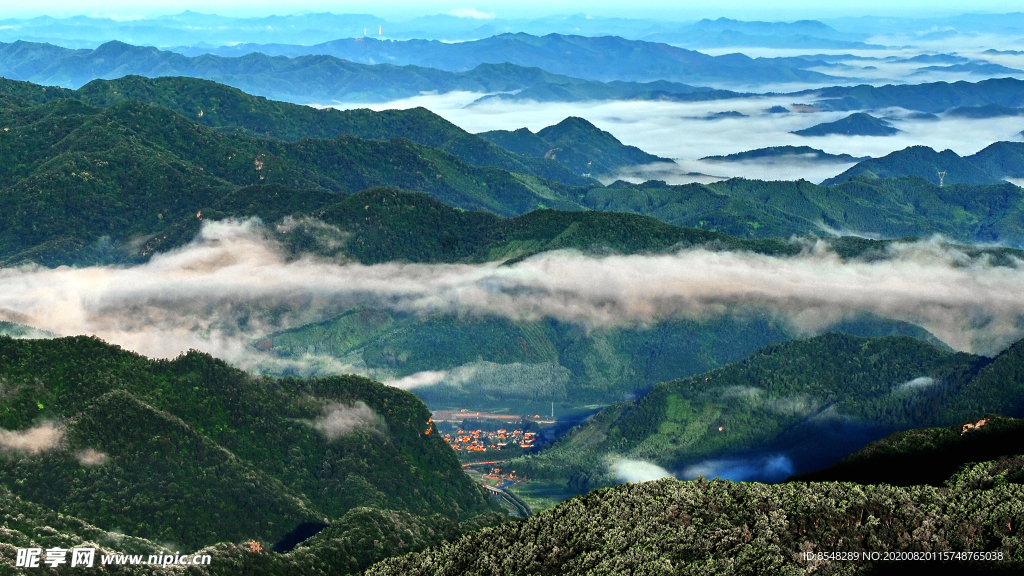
(405, 9)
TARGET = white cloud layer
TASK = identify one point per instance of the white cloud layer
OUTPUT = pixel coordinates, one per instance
(471, 13)
(680, 130)
(232, 285)
(626, 470)
(339, 420)
(36, 440)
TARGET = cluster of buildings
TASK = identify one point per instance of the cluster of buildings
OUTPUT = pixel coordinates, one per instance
(484, 440)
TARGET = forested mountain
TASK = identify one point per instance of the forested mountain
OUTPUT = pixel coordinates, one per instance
(859, 124)
(987, 166)
(194, 452)
(808, 400)
(576, 143)
(81, 180)
(74, 174)
(230, 110)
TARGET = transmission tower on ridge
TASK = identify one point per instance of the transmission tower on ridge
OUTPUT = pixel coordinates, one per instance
(942, 177)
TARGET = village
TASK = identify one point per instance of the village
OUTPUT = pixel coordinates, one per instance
(466, 441)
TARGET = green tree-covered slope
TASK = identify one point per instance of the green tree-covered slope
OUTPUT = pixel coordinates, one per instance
(805, 398)
(77, 179)
(228, 109)
(723, 528)
(195, 452)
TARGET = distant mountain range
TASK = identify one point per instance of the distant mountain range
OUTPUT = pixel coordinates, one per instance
(513, 75)
(986, 111)
(308, 79)
(369, 66)
(604, 58)
(210, 31)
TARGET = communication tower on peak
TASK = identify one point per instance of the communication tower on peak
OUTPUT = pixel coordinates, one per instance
(942, 177)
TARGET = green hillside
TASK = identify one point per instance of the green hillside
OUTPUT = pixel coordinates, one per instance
(809, 399)
(194, 452)
(230, 110)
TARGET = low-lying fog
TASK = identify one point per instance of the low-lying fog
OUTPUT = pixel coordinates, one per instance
(233, 285)
(682, 131)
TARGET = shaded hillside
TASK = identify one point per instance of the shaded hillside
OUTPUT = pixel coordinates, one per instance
(809, 401)
(575, 143)
(934, 455)
(196, 452)
(859, 124)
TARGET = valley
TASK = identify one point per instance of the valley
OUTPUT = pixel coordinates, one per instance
(480, 294)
